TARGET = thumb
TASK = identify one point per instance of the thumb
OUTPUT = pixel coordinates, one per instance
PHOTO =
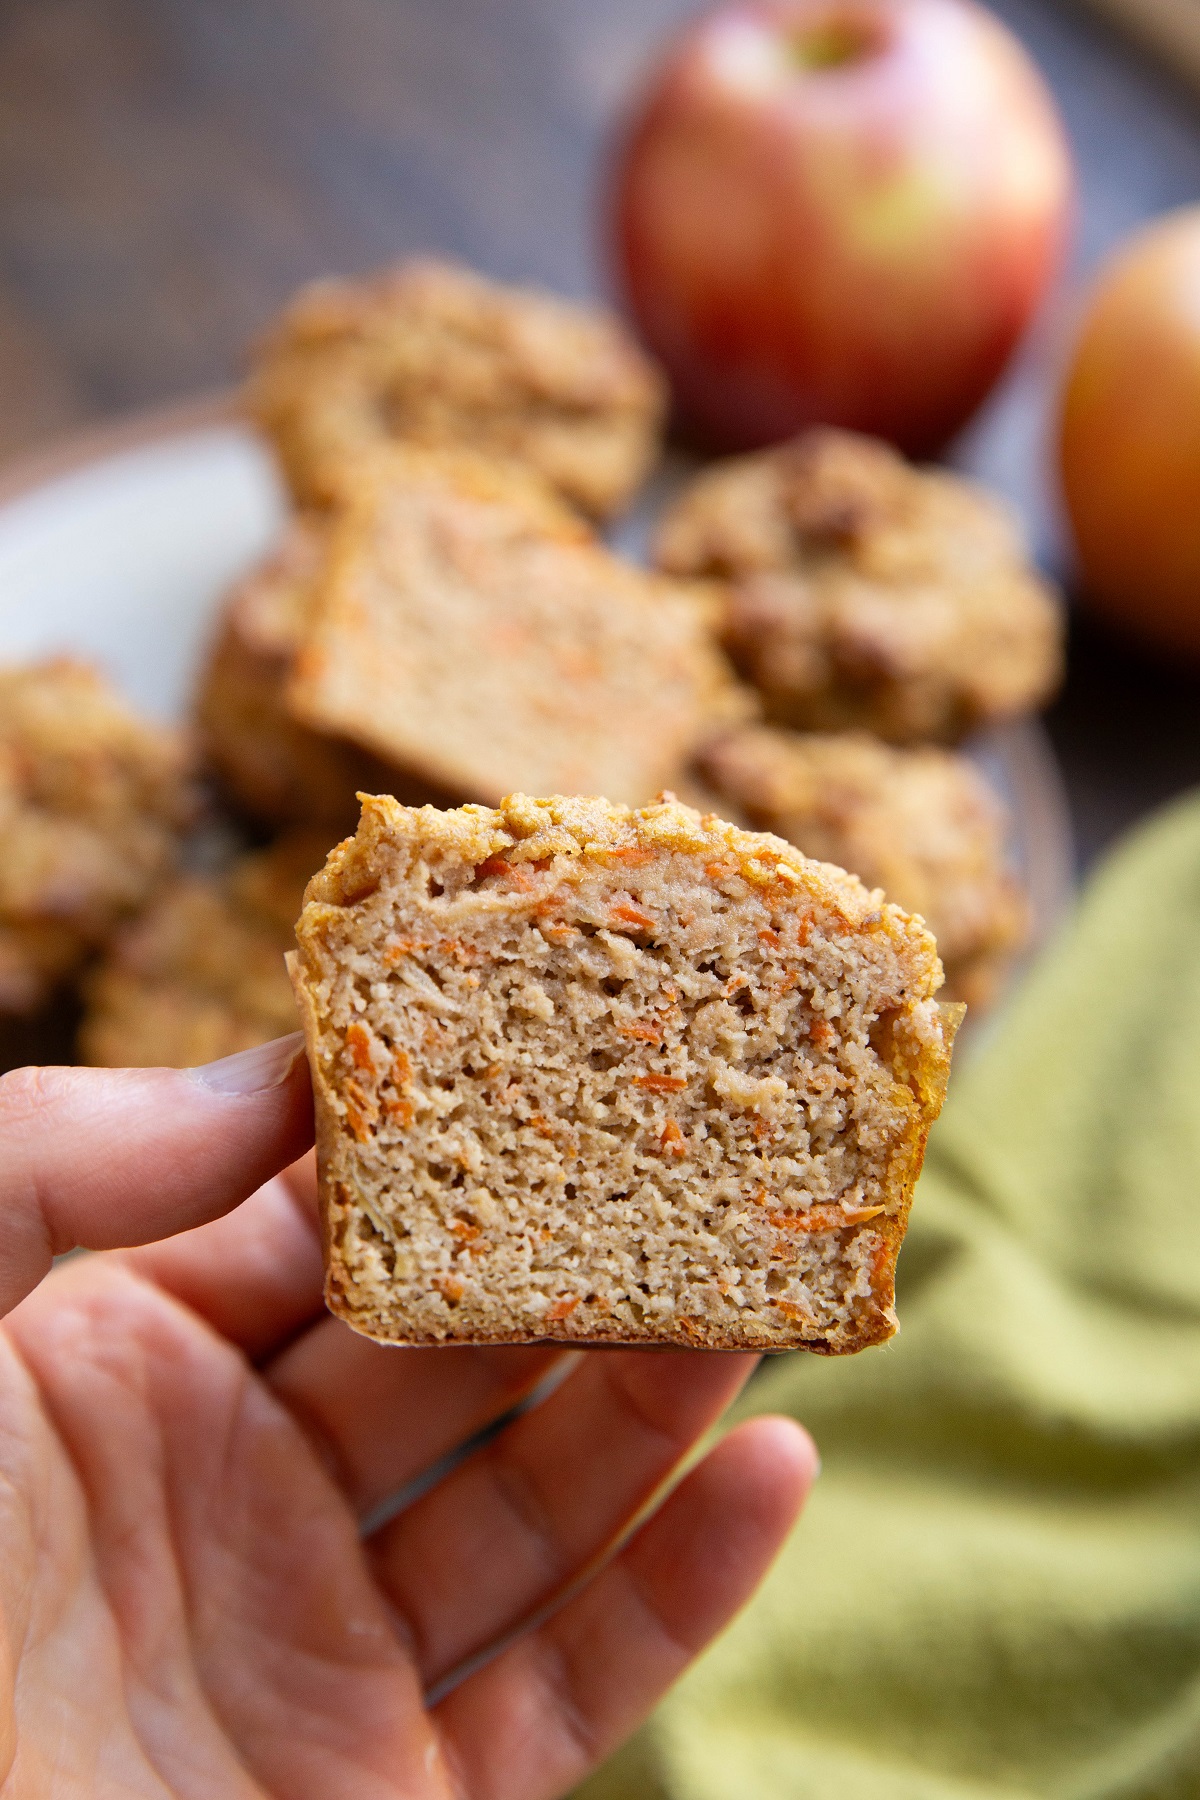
(110, 1157)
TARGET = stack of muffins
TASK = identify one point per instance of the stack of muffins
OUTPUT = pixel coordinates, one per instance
(444, 622)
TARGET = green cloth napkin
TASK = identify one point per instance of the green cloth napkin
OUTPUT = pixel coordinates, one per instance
(995, 1591)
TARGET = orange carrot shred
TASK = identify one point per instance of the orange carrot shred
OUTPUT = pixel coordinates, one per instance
(633, 915)
(671, 1140)
(516, 872)
(796, 1314)
(649, 1034)
(823, 1218)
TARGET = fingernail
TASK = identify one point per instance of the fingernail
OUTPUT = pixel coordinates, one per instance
(251, 1071)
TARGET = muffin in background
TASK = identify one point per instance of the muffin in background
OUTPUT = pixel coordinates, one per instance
(92, 803)
(431, 353)
(451, 632)
(272, 766)
(921, 823)
(201, 973)
(863, 592)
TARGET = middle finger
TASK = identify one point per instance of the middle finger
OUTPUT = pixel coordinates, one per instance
(381, 1414)
(524, 1516)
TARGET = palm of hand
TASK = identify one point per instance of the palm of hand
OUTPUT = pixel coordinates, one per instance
(186, 1446)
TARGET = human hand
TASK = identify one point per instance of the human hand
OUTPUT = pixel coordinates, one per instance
(188, 1444)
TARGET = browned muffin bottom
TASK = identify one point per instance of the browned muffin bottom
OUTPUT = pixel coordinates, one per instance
(609, 1076)
(434, 354)
(201, 974)
(866, 593)
(921, 823)
(477, 638)
(92, 799)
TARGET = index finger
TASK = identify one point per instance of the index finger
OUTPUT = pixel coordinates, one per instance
(103, 1158)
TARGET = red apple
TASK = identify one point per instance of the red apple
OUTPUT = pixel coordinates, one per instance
(840, 211)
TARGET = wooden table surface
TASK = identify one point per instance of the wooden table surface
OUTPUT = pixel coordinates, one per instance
(170, 169)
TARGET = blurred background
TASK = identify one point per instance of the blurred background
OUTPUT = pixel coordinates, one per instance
(171, 169)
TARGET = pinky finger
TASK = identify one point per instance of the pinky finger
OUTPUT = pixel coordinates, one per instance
(554, 1704)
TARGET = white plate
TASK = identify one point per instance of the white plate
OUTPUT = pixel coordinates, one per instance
(118, 547)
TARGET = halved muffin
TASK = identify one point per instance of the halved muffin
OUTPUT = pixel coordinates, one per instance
(612, 1076)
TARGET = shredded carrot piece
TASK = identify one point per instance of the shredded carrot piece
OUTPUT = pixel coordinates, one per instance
(881, 1262)
(633, 915)
(401, 1069)
(400, 1110)
(823, 1218)
(649, 1034)
(399, 948)
(796, 1314)
(361, 1111)
(660, 1084)
(463, 1230)
(459, 952)
(715, 870)
(516, 872)
(671, 1140)
(358, 1042)
(557, 1130)
(562, 1309)
(633, 856)
(450, 1287)
(820, 1033)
